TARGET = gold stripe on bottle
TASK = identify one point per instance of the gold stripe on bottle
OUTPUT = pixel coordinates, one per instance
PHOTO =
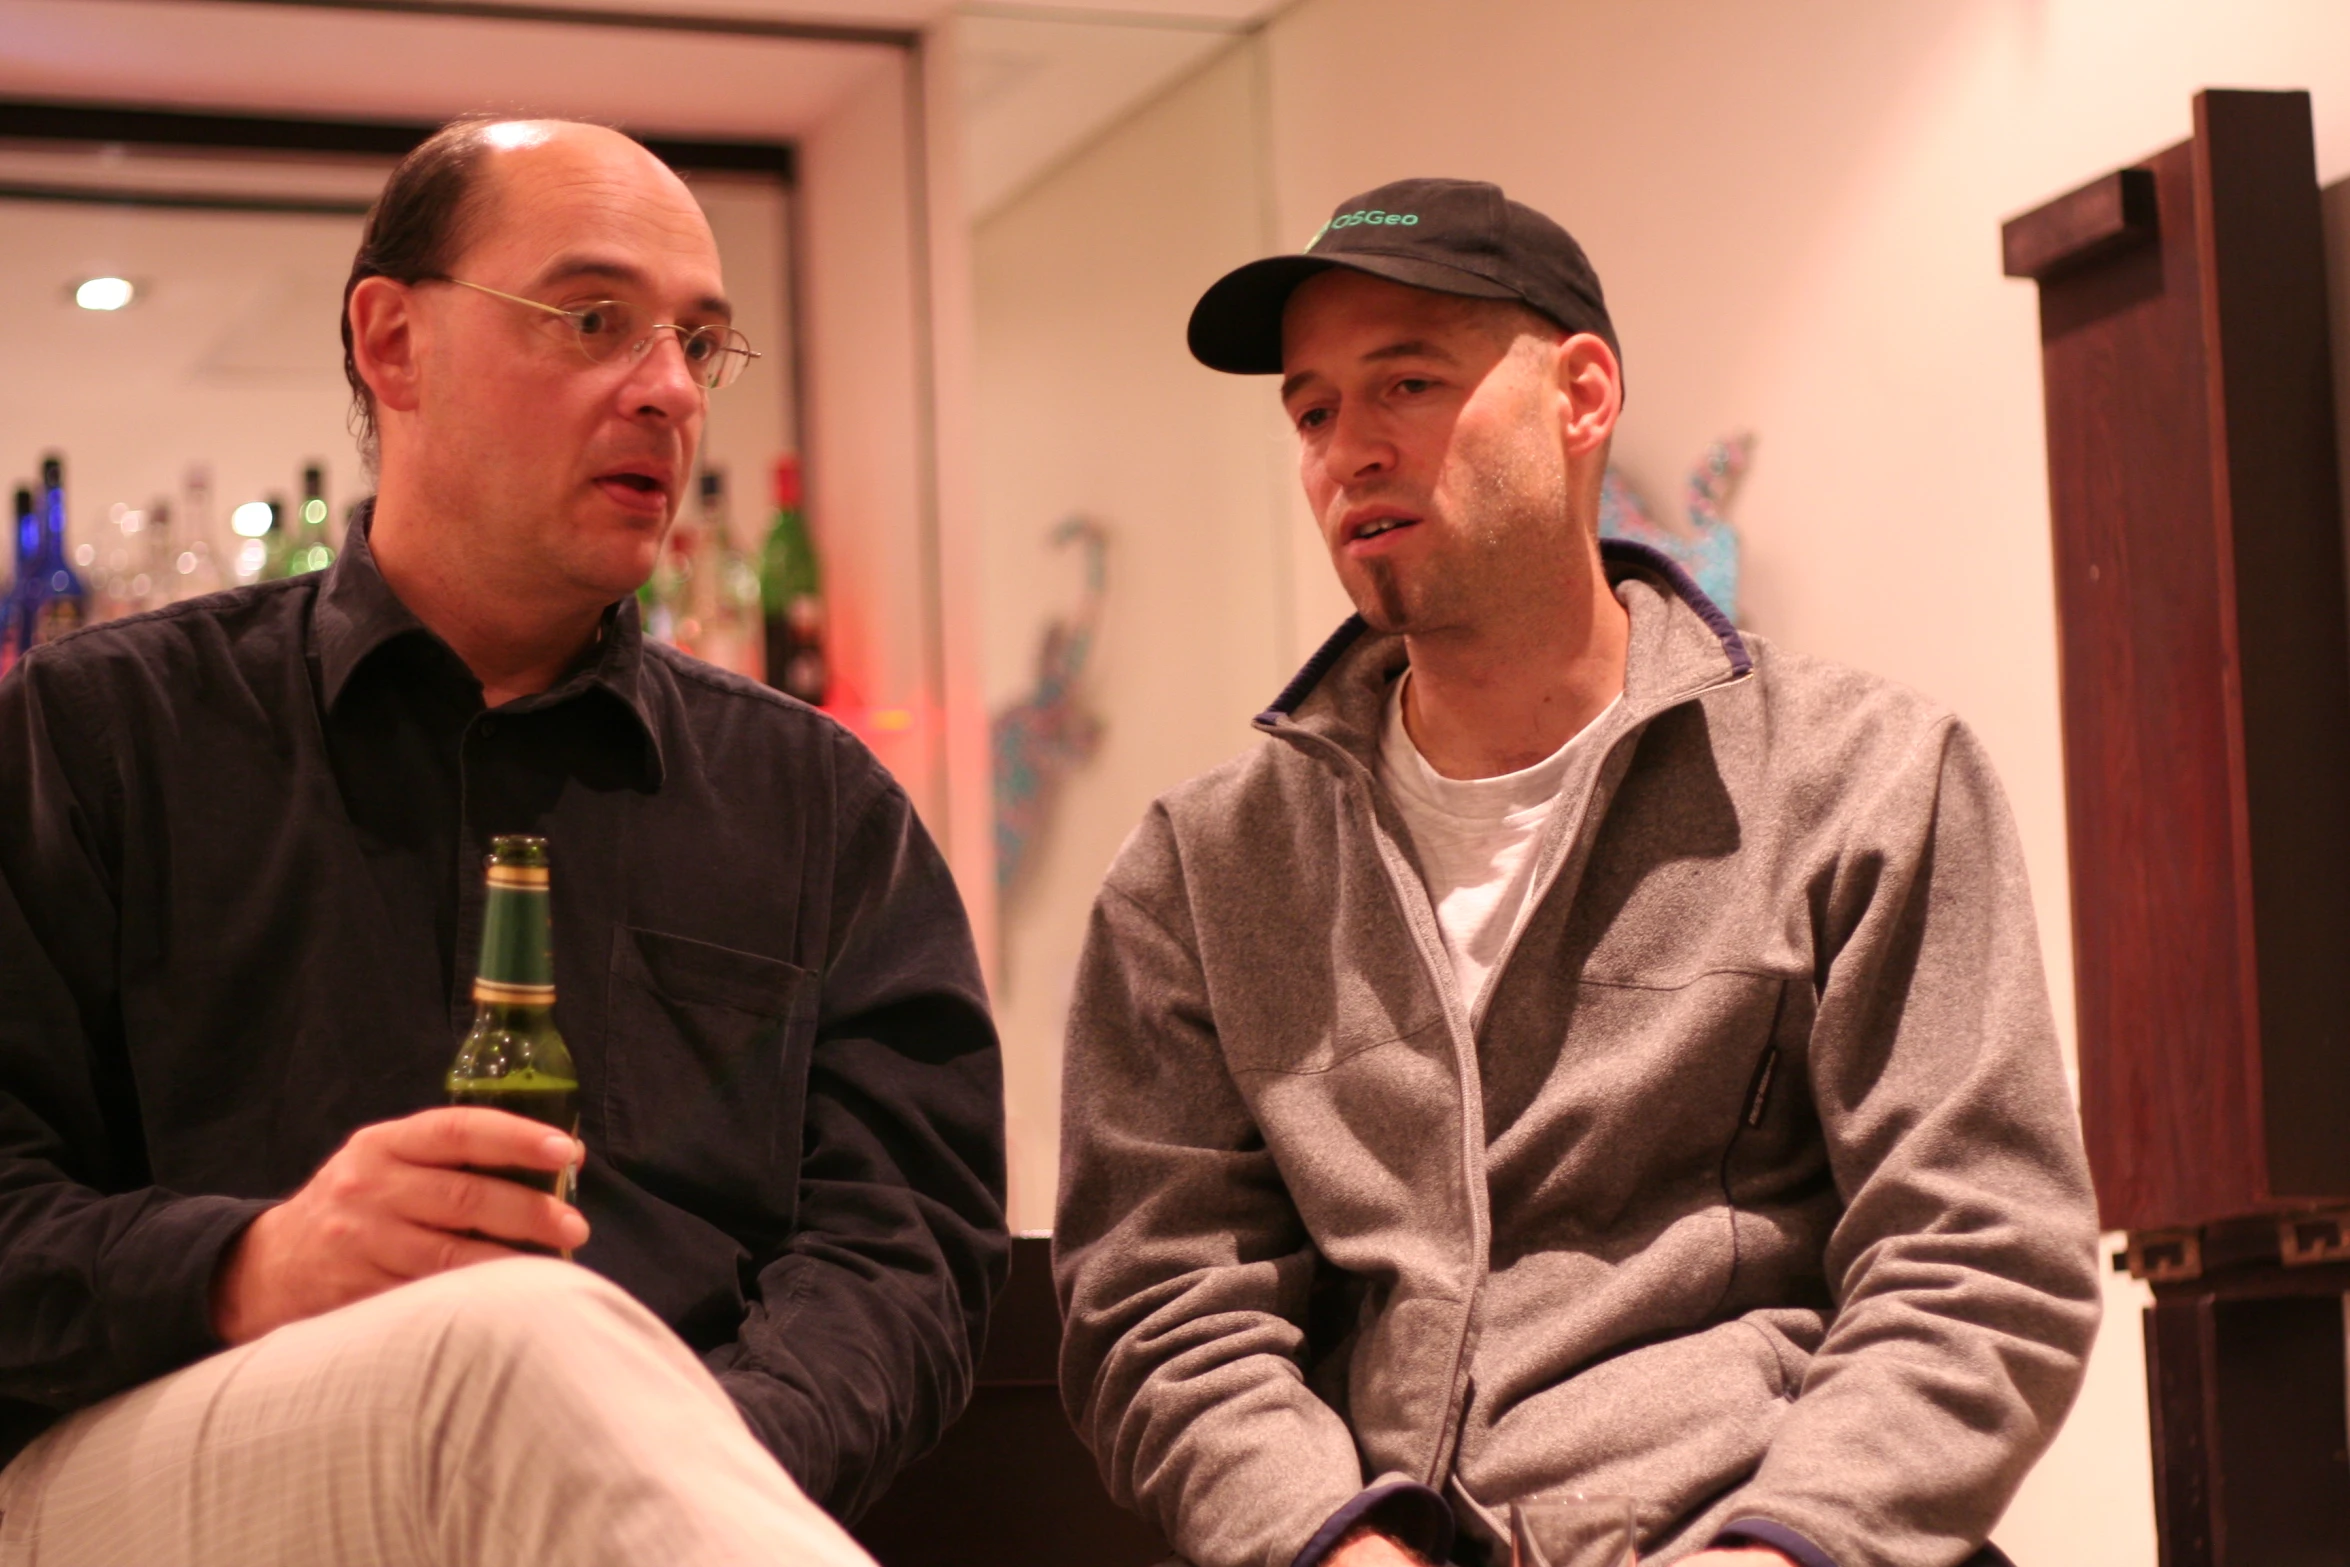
(497, 994)
(529, 878)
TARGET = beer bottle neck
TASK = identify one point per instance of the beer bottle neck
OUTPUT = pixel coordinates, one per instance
(512, 1017)
(517, 967)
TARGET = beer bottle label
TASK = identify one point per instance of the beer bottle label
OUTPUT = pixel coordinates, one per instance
(517, 956)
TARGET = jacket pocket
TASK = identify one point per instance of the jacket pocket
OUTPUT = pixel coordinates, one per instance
(706, 1073)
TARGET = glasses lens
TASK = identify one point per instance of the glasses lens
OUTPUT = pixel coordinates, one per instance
(717, 355)
(605, 328)
(735, 357)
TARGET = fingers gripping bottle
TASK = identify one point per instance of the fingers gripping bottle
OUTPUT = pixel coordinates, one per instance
(513, 1059)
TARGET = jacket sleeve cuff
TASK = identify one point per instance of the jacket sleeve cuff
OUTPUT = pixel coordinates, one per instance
(1404, 1510)
(1780, 1538)
(159, 1282)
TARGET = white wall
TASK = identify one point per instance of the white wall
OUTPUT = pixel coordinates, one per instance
(752, 420)
(864, 471)
(969, 807)
(880, 446)
(1796, 210)
(1088, 404)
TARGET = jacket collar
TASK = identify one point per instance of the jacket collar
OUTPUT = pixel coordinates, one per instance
(357, 614)
(1681, 646)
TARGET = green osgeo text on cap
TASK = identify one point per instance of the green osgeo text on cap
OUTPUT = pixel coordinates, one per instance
(1450, 236)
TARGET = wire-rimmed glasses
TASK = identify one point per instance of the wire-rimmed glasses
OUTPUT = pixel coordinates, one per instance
(607, 329)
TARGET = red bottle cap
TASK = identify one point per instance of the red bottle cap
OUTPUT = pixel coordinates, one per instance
(787, 481)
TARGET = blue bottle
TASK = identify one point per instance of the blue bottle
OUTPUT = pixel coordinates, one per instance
(25, 544)
(56, 602)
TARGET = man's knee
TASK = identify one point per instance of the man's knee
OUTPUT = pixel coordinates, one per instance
(499, 1318)
(528, 1284)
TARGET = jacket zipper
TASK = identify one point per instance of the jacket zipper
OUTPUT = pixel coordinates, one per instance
(1420, 916)
(1461, 1025)
(1428, 934)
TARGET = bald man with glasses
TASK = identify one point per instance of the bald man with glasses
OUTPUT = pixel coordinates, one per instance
(256, 1304)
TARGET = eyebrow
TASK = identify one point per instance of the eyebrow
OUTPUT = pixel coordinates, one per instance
(564, 269)
(1409, 348)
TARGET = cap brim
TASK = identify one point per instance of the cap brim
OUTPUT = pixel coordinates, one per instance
(1236, 326)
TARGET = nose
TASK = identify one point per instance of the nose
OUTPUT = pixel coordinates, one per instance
(1357, 448)
(661, 384)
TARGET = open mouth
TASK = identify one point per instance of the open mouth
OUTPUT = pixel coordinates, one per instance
(1379, 527)
(634, 490)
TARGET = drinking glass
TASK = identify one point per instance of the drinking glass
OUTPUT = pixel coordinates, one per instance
(1573, 1529)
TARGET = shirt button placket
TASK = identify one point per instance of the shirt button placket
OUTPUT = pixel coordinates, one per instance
(470, 847)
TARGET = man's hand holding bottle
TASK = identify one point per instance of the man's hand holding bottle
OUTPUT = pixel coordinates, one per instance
(397, 1202)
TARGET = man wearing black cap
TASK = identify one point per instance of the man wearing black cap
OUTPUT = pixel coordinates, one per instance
(1589, 1050)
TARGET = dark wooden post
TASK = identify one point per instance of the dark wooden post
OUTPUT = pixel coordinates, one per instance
(2206, 695)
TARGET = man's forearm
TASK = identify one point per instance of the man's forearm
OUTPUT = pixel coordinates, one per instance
(99, 1293)
(851, 1378)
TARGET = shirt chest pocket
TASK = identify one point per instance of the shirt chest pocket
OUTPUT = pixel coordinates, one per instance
(706, 1075)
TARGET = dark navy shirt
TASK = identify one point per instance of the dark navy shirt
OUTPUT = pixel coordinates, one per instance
(241, 843)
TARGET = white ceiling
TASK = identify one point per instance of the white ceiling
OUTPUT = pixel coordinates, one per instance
(1035, 91)
(1038, 79)
(293, 60)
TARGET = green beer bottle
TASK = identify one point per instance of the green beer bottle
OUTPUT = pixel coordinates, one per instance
(513, 1059)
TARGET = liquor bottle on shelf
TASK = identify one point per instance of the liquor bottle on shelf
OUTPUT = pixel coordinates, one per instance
(255, 524)
(662, 596)
(791, 594)
(51, 597)
(25, 544)
(723, 595)
(151, 578)
(195, 569)
(274, 542)
(305, 546)
(115, 564)
(514, 1059)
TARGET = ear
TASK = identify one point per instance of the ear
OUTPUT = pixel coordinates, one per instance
(1591, 393)
(383, 342)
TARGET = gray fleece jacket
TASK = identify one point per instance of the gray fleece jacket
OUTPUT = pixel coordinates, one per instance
(1754, 1192)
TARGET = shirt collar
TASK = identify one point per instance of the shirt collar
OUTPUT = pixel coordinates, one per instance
(357, 613)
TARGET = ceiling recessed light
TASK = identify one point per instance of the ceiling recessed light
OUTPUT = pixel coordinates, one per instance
(105, 293)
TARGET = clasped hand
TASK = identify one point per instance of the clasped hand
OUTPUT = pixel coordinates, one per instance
(396, 1202)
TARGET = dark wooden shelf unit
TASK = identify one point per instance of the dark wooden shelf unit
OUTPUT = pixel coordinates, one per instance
(2205, 666)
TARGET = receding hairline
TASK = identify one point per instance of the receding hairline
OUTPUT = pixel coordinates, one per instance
(488, 172)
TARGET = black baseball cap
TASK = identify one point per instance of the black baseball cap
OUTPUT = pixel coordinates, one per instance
(1450, 236)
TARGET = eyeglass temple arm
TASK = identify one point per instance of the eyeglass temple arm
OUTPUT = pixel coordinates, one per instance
(745, 350)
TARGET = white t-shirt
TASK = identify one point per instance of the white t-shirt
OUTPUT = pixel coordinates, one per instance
(1475, 838)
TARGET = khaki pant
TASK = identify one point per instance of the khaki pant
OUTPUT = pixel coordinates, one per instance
(524, 1412)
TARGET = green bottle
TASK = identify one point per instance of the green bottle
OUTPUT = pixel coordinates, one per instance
(791, 594)
(277, 540)
(306, 547)
(513, 1059)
